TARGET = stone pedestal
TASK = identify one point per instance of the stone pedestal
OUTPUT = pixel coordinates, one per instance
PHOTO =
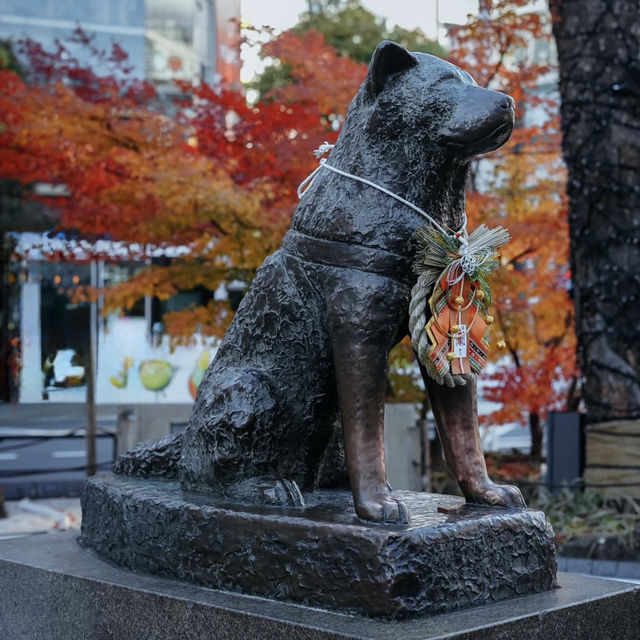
(450, 557)
(53, 589)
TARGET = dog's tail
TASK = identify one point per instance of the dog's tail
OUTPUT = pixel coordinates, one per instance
(153, 459)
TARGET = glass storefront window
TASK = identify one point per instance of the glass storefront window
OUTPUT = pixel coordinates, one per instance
(173, 20)
(64, 325)
(117, 272)
(171, 54)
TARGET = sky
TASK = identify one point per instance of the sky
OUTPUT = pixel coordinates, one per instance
(410, 14)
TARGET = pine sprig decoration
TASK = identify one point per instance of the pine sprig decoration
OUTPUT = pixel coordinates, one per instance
(437, 252)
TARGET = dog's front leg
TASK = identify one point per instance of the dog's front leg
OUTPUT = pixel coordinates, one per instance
(456, 413)
(361, 379)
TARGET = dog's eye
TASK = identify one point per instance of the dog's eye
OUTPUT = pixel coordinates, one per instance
(444, 78)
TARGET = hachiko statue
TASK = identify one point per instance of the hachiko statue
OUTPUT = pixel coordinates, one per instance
(310, 341)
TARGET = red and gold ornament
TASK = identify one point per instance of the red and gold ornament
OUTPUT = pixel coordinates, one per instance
(454, 268)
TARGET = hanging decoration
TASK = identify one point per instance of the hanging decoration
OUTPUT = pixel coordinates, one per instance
(452, 289)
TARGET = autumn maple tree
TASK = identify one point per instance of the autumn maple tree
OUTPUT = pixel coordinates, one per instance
(266, 147)
(117, 157)
(273, 140)
(217, 180)
(521, 186)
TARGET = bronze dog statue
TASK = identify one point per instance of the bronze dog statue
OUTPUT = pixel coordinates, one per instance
(310, 341)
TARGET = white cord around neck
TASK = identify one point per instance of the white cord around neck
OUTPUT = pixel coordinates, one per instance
(326, 147)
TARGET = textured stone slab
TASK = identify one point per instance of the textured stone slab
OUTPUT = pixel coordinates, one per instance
(53, 589)
(323, 555)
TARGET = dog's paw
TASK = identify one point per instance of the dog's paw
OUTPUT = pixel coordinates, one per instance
(497, 495)
(384, 509)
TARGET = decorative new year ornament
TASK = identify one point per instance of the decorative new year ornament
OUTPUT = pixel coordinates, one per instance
(452, 285)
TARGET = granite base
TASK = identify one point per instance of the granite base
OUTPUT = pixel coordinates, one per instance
(54, 589)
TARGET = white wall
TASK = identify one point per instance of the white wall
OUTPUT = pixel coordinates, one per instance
(31, 371)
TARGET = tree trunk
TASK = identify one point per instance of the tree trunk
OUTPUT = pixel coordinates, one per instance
(598, 51)
(535, 428)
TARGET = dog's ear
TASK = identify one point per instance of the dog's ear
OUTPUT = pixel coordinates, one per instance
(388, 58)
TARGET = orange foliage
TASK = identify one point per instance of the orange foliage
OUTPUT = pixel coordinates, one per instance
(129, 173)
(319, 77)
(219, 178)
(504, 469)
(522, 186)
(273, 140)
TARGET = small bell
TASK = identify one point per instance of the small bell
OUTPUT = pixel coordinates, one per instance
(480, 294)
(455, 328)
(459, 300)
(501, 345)
(451, 356)
(489, 319)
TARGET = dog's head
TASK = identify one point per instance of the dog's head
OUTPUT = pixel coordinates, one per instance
(434, 103)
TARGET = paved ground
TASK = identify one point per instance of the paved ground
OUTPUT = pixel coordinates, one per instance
(54, 415)
(26, 517)
(615, 570)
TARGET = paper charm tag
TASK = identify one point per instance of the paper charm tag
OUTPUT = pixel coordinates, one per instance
(460, 342)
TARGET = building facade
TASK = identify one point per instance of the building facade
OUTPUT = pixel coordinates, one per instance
(166, 40)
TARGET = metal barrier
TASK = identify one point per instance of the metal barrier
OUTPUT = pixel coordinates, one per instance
(47, 464)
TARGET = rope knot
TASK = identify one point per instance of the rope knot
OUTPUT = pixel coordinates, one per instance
(325, 147)
(469, 263)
